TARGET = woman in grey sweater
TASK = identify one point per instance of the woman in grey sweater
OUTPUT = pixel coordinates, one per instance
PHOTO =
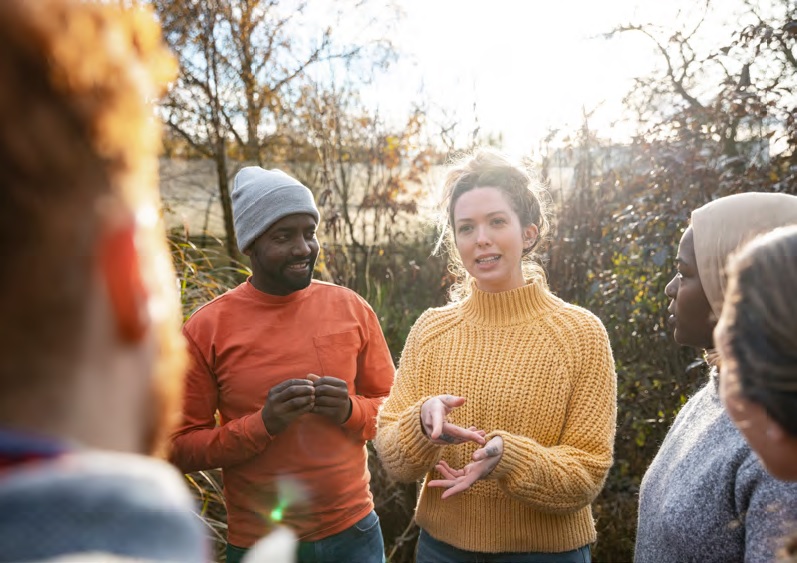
(706, 497)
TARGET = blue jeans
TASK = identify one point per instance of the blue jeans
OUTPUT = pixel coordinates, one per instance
(361, 543)
(431, 550)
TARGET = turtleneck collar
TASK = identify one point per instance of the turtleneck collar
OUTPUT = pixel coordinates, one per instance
(507, 308)
(253, 293)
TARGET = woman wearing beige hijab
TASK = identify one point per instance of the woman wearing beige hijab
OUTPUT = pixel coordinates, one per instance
(706, 496)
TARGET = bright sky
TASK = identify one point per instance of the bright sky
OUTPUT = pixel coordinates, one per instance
(527, 65)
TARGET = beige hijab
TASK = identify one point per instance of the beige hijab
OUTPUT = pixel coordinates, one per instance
(722, 226)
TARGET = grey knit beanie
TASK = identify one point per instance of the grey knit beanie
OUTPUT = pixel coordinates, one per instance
(262, 197)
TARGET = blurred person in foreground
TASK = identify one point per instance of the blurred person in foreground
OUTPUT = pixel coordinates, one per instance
(706, 497)
(757, 342)
(756, 339)
(296, 369)
(505, 399)
(91, 357)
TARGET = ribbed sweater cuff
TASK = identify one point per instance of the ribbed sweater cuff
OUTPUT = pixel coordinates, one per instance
(513, 458)
(416, 445)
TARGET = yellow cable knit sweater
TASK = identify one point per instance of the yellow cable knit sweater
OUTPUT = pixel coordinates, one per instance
(538, 372)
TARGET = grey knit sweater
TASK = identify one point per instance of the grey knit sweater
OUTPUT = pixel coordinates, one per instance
(706, 497)
(113, 505)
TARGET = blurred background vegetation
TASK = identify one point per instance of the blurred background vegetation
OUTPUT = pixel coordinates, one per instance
(708, 120)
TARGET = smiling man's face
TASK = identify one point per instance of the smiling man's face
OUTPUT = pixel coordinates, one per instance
(284, 256)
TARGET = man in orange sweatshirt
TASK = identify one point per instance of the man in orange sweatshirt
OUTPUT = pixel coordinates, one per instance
(296, 369)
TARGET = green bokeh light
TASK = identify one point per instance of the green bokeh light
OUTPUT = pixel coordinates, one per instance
(276, 514)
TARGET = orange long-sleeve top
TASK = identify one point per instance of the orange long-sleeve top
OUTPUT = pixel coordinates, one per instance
(315, 472)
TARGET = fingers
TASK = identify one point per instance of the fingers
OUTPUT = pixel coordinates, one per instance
(433, 419)
(493, 448)
(328, 380)
(455, 480)
(280, 387)
(437, 425)
(298, 403)
(462, 484)
(286, 401)
(291, 397)
(331, 397)
(447, 471)
(326, 390)
(452, 401)
(485, 453)
(460, 435)
(293, 391)
(331, 401)
(440, 483)
(328, 386)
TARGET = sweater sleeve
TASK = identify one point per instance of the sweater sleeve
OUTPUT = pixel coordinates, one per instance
(768, 508)
(568, 476)
(405, 451)
(198, 443)
(375, 372)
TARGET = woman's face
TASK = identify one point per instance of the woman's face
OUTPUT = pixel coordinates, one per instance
(776, 449)
(490, 239)
(690, 313)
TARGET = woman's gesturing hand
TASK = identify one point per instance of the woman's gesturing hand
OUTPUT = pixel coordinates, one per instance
(457, 480)
(434, 413)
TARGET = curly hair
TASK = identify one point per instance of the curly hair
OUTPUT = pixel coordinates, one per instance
(759, 317)
(490, 168)
(77, 133)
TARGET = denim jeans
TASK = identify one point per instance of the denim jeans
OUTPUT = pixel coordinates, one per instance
(361, 543)
(431, 550)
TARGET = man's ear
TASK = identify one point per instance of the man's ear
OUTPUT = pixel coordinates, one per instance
(117, 259)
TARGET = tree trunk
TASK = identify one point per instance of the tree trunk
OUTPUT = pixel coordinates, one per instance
(226, 200)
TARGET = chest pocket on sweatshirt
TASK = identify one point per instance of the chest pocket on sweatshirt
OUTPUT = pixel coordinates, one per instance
(337, 354)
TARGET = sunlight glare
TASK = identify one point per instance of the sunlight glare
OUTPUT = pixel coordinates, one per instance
(524, 66)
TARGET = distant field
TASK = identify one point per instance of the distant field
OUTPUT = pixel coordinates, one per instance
(190, 196)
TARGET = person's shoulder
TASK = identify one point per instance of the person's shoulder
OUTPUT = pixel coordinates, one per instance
(217, 302)
(331, 293)
(332, 289)
(576, 318)
(447, 311)
(103, 472)
(148, 510)
(139, 484)
(435, 321)
(579, 331)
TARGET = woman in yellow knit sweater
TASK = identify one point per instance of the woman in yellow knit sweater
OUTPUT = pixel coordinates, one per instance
(505, 399)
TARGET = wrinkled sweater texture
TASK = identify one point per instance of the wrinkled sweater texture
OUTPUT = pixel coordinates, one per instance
(534, 370)
(706, 497)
